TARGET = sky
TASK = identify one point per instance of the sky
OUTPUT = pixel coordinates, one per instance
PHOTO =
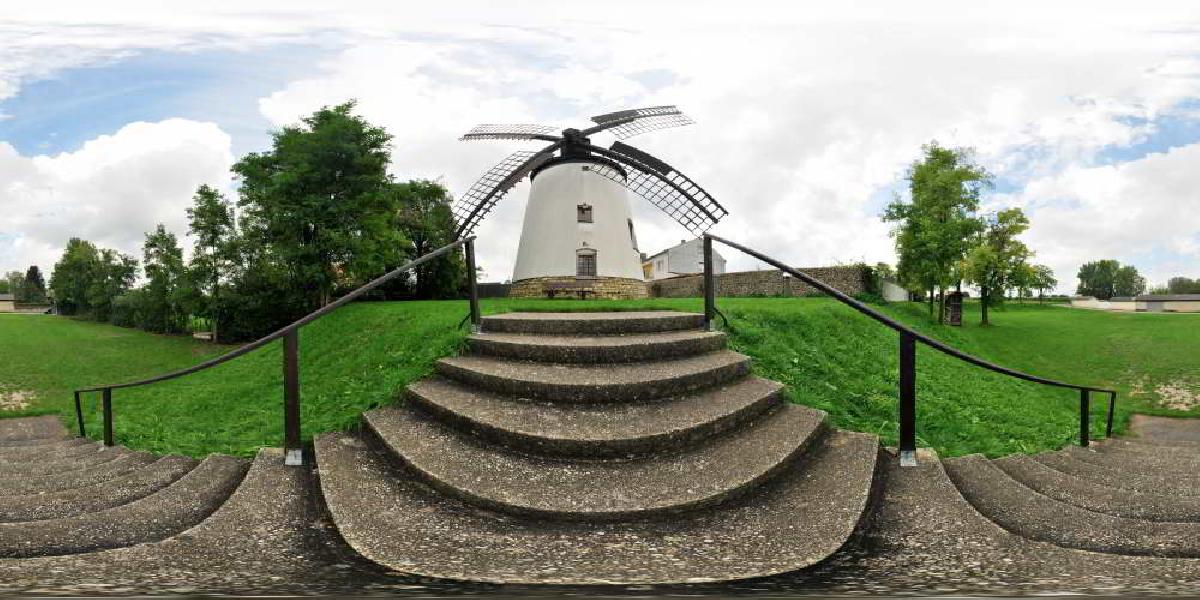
(807, 116)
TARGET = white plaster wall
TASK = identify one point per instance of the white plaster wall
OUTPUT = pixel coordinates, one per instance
(1182, 306)
(551, 233)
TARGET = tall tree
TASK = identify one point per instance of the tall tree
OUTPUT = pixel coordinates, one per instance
(1183, 285)
(1127, 282)
(211, 224)
(318, 201)
(72, 276)
(1043, 279)
(1098, 278)
(33, 291)
(933, 232)
(14, 283)
(165, 287)
(997, 260)
(113, 275)
(423, 217)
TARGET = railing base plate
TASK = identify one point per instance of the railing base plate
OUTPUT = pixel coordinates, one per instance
(908, 458)
(294, 458)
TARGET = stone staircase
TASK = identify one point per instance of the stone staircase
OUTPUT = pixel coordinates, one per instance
(586, 448)
(1118, 496)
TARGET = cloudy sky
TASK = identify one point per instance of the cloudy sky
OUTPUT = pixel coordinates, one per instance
(806, 116)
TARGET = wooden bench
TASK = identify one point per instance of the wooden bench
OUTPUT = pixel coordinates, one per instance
(580, 288)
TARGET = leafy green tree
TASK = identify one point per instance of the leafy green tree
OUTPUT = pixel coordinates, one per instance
(113, 275)
(14, 281)
(72, 276)
(1098, 279)
(166, 285)
(1043, 279)
(317, 202)
(211, 223)
(1127, 282)
(423, 217)
(1182, 285)
(934, 231)
(996, 262)
(33, 288)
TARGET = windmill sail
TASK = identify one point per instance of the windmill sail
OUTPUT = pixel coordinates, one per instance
(511, 132)
(663, 186)
(493, 185)
(625, 124)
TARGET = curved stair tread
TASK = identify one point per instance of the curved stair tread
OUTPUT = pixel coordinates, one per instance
(1035, 516)
(1088, 495)
(69, 447)
(166, 512)
(798, 520)
(597, 430)
(1158, 443)
(53, 464)
(500, 479)
(593, 323)
(30, 428)
(29, 443)
(1139, 468)
(1112, 477)
(596, 383)
(97, 497)
(76, 479)
(596, 349)
(1177, 453)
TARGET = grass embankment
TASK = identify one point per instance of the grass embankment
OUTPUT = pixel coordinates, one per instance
(829, 356)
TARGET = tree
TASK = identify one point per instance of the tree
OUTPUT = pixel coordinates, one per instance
(1127, 282)
(72, 276)
(1182, 285)
(14, 281)
(317, 202)
(211, 223)
(165, 287)
(1097, 278)
(33, 290)
(1043, 279)
(423, 217)
(934, 230)
(113, 275)
(997, 261)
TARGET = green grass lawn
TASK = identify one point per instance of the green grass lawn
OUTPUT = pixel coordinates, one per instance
(829, 356)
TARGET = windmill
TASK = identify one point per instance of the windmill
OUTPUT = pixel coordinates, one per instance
(578, 231)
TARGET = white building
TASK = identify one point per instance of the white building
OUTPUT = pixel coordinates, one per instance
(687, 258)
(577, 233)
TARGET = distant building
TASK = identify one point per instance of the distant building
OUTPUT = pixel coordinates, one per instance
(1145, 303)
(7, 303)
(687, 258)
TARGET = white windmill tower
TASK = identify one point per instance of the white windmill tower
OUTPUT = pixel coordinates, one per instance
(578, 233)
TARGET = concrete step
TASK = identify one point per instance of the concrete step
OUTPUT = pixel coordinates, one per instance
(22, 443)
(1174, 452)
(591, 323)
(1157, 443)
(93, 498)
(1034, 516)
(53, 464)
(1163, 462)
(598, 490)
(605, 349)
(1089, 495)
(164, 513)
(596, 383)
(596, 430)
(68, 446)
(1138, 467)
(1106, 475)
(25, 429)
(798, 520)
(76, 479)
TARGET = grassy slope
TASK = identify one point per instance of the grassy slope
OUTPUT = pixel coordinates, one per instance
(830, 357)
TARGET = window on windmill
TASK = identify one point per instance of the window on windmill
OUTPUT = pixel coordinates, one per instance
(584, 212)
(585, 263)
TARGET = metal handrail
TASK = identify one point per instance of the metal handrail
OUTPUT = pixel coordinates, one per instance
(907, 355)
(291, 351)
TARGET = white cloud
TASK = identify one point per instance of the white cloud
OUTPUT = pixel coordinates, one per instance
(111, 191)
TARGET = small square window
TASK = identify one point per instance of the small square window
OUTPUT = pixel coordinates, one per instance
(584, 212)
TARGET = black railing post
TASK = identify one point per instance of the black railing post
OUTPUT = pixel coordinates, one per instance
(1112, 407)
(79, 416)
(908, 399)
(293, 453)
(106, 401)
(472, 285)
(1084, 414)
(710, 288)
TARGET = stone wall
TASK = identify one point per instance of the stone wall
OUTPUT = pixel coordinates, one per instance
(606, 288)
(850, 280)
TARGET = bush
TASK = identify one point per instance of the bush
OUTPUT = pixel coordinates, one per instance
(128, 309)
